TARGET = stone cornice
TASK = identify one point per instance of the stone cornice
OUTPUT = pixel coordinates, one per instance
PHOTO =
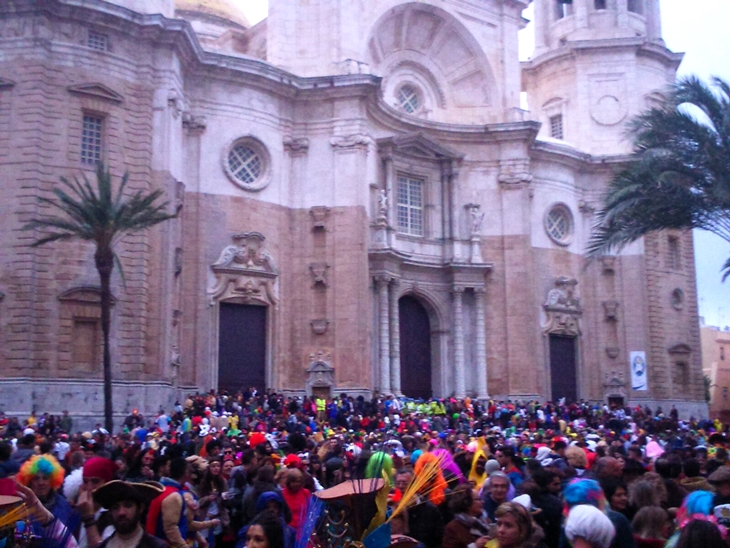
(398, 122)
(567, 155)
(639, 44)
(178, 34)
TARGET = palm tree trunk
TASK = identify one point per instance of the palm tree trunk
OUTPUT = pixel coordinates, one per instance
(104, 264)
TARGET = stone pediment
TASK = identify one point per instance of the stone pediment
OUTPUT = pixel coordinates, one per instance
(97, 91)
(320, 373)
(85, 294)
(245, 270)
(418, 145)
(680, 349)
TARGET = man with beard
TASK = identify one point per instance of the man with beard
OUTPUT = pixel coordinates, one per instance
(126, 502)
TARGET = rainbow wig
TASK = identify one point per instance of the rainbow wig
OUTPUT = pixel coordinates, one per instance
(41, 464)
(379, 462)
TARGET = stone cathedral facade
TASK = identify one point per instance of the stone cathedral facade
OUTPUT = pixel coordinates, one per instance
(364, 202)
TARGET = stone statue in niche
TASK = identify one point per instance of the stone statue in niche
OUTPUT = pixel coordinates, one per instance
(175, 358)
(477, 219)
(382, 207)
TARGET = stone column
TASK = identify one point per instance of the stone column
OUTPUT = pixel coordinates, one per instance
(459, 379)
(481, 345)
(394, 338)
(381, 283)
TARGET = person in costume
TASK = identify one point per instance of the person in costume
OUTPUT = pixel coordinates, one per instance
(167, 518)
(96, 472)
(44, 475)
(125, 503)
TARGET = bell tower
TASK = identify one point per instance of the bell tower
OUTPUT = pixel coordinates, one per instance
(596, 64)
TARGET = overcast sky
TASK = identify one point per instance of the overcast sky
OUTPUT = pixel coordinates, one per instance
(699, 29)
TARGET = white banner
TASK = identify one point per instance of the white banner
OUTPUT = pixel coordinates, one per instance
(637, 361)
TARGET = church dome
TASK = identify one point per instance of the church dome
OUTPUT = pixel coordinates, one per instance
(211, 9)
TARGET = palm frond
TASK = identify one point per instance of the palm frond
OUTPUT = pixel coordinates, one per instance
(679, 177)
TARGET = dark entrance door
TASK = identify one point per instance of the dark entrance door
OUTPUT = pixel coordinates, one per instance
(616, 401)
(562, 368)
(415, 348)
(242, 347)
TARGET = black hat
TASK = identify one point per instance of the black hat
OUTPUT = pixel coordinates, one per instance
(115, 491)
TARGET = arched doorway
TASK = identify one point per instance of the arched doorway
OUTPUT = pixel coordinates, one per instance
(415, 348)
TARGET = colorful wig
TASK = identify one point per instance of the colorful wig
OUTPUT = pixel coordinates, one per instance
(448, 464)
(436, 488)
(41, 464)
(379, 462)
(584, 491)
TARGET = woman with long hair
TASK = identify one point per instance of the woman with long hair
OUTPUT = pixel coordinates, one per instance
(265, 531)
(210, 503)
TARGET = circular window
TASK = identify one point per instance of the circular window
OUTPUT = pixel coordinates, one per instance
(408, 99)
(246, 164)
(559, 224)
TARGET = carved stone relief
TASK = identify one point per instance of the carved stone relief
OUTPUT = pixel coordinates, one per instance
(194, 123)
(562, 308)
(245, 270)
(608, 262)
(610, 310)
(614, 384)
(320, 215)
(319, 326)
(319, 273)
(296, 145)
(515, 172)
(351, 142)
(320, 373)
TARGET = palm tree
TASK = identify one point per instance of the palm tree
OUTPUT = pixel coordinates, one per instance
(680, 178)
(103, 217)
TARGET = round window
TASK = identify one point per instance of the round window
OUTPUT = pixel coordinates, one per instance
(408, 99)
(246, 164)
(559, 224)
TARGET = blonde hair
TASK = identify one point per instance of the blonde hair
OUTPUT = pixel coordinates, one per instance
(576, 457)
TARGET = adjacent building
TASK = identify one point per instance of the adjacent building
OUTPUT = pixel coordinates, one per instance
(716, 369)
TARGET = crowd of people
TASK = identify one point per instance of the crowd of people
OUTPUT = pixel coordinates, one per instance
(244, 470)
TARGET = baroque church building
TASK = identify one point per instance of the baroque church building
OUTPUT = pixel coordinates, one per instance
(365, 204)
